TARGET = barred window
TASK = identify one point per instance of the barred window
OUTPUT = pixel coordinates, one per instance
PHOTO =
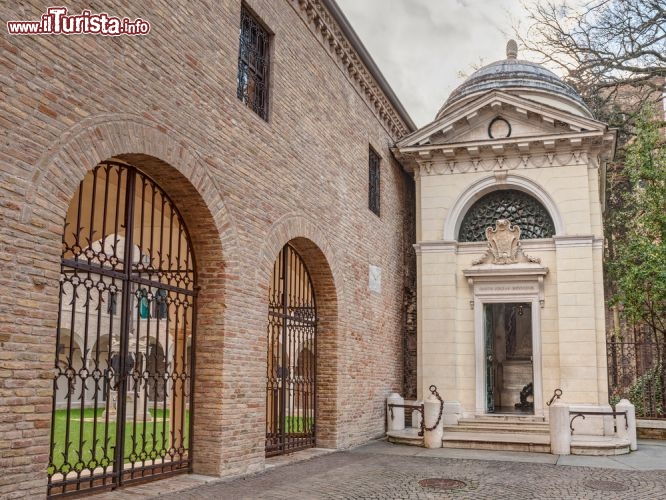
(253, 64)
(373, 184)
(519, 208)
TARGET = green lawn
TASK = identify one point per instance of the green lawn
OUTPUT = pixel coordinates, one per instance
(155, 445)
(298, 424)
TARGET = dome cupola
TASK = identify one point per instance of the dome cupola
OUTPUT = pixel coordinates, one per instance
(520, 77)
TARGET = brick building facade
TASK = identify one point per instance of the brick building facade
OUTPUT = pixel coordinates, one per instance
(167, 104)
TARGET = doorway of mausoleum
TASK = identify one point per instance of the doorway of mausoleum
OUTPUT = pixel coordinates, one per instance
(509, 358)
(291, 356)
(122, 366)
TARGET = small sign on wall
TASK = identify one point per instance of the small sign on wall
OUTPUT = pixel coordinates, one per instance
(375, 279)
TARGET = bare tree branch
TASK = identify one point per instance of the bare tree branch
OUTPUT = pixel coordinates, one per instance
(601, 45)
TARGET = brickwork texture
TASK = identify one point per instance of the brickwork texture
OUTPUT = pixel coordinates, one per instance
(166, 102)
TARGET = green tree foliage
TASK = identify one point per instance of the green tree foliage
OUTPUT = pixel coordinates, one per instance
(639, 267)
(614, 53)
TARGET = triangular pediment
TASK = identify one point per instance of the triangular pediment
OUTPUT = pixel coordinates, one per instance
(498, 117)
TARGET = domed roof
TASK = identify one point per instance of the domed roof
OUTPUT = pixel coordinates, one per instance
(512, 74)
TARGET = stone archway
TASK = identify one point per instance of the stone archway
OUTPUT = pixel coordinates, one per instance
(128, 272)
(173, 164)
(483, 187)
(327, 278)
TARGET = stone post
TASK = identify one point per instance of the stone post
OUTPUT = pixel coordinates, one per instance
(560, 433)
(417, 415)
(431, 408)
(397, 422)
(628, 430)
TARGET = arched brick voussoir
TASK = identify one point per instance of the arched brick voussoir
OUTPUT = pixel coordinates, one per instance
(288, 228)
(57, 174)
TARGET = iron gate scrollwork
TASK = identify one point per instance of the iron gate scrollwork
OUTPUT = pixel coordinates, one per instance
(125, 337)
(291, 373)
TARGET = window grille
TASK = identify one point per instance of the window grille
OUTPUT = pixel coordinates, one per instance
(519, 208)
(373, 184)
(253, 63)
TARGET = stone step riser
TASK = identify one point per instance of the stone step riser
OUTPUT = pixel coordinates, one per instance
(599, 451)
(485, 445)
(498, 430)
(504, 420)
(406, 440)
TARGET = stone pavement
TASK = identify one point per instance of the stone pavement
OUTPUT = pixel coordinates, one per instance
(380, 470)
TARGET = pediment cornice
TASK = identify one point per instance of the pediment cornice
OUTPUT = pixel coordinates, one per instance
(559, 139)
(446, 130)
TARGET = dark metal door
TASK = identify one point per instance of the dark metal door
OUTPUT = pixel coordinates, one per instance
(291, 372)
(125, 336)
(490, 357)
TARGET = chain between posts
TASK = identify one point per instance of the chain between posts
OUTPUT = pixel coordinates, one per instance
(556, 395)
(433, 390)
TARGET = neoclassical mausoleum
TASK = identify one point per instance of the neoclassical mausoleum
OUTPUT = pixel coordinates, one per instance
(213, 235)
(509, 242)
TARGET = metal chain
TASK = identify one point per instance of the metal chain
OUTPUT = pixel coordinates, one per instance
(433, 390)
(557, 393)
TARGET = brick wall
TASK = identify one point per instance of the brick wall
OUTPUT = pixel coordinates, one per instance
(166, 102)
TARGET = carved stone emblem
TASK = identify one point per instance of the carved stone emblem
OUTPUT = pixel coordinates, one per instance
(504, 245)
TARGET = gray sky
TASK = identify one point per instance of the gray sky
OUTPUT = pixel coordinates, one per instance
(423, 46)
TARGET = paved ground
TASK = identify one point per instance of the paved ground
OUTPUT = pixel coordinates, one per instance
(381, 470)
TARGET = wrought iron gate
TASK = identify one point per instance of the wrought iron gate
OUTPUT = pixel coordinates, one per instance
(291, 376)
(125, 336)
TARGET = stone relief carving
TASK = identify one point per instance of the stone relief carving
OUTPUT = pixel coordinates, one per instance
(439, 167)
(504, 246)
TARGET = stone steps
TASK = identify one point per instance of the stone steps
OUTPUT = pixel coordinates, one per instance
(505, 441)
(409, 436)
(599, 445)
(499, 428)
(499, 432)
(510, 433)
(509, 418)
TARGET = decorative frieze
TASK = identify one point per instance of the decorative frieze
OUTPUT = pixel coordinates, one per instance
(324, 26)
(435, 166)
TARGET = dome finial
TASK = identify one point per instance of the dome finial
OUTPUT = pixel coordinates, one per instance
(511, 49)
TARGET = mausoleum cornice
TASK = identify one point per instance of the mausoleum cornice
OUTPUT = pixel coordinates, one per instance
(519, 145)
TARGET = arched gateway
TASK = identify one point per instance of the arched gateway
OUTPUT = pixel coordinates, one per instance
(291, 359)
(123, 363)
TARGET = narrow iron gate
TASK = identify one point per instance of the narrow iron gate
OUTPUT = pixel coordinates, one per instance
(125, 337)
(291, 376)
